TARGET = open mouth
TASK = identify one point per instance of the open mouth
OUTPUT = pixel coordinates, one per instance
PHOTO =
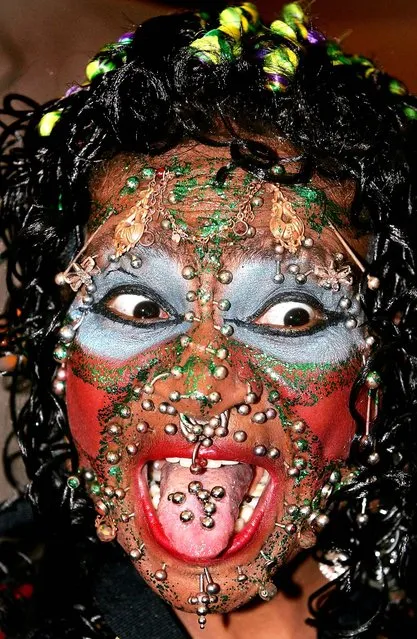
(206, 516)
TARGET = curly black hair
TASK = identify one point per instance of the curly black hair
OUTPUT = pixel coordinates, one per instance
(344, 122)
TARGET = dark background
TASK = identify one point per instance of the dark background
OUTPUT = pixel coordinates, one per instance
(45, 45)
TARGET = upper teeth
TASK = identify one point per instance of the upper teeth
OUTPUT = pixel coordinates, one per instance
(211, 463)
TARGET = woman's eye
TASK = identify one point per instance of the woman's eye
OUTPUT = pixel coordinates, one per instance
(291, 315)
(137, 308)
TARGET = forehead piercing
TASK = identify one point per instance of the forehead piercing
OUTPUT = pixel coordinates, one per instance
(170, 429)
(373, 282)
(161, 574)
(285, 225)
(240, 436)
(225, 277)
(137, 553)
(260, 450)
(188, 272)
(186, 516)
(132, 450)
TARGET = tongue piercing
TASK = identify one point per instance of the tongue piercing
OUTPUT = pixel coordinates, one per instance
(260, 450)
(240, 436)
(177, 498)
(194, 487)
(161, 574)
(137, 553)
(186, 516)
(241, 577)
(210, 508)
(218, 492)
(207, 522)
(171, 429)
(203, 495)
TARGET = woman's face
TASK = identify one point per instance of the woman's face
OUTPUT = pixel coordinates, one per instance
(208, 383)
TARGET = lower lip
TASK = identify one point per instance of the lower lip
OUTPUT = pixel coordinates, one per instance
(260, 523)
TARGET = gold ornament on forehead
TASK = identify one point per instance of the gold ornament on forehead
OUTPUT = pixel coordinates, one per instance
(286, 227)
(135, 228)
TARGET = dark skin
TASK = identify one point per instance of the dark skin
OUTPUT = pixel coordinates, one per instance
(312, 396)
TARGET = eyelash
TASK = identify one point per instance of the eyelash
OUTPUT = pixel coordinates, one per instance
(327, 317)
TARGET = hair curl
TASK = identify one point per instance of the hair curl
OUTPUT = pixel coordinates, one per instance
(343, 126)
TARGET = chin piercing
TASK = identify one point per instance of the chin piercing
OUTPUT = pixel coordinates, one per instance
(205, 596)
(212, 588)
(241, 577)
(170, 429)
(240, 436)
(137, 553)
(161, 574)
(270, 564)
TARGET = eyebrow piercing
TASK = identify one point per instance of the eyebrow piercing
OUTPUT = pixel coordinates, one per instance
(373, 281)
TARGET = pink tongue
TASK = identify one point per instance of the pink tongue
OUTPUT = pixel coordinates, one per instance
(192, 539)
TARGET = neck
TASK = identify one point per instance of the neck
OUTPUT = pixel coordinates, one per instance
(286, 613)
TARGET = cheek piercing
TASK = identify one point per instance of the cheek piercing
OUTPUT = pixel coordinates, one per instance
(241, 577)
(137, 553)
(161, 574)
(240, 436)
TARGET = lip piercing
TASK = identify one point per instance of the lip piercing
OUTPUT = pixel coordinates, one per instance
(124, 412)
(198, 466)
(189, 272)
(137, 553)
(240, 436)
(171, 429)
(113, 456)
(212, 587)
(260, 450)
(274, 453)
(161, 574)
(149, 387)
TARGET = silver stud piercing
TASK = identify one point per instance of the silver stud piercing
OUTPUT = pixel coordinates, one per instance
(171, 429)
(161, 574)
(205, 596)
(267, 590)
(241, 577)
(290, 529)
(137, 553)
(225, 277)
(240, 436)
